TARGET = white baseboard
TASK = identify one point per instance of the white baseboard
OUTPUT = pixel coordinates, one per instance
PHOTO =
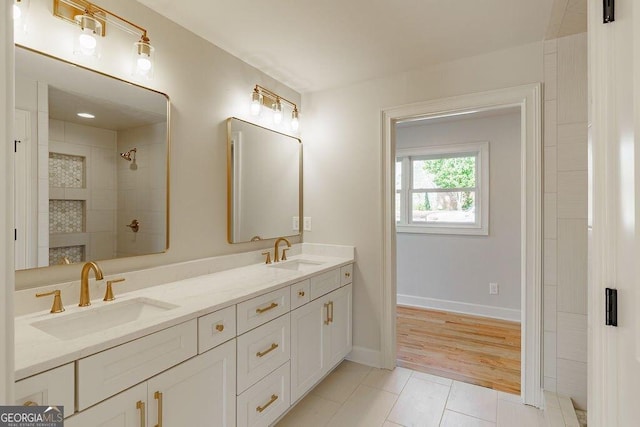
(365, 356)
(460, 307)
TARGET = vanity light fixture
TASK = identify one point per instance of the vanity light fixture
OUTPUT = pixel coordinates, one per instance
(86, 43)
(256, 102)
(93, 20)
(263, 96)
(277, 111)
(20, 10)
(86, 115)
(295, 122)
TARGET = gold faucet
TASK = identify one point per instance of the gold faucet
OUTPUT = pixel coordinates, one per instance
(84, 282)
(276, 255)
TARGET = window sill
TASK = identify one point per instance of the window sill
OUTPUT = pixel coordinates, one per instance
(465, 230)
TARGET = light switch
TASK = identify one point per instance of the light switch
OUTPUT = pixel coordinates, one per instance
(307, 223)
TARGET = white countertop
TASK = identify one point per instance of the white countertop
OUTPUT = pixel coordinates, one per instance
(37, 351)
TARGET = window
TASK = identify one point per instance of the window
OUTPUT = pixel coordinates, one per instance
(443, 189)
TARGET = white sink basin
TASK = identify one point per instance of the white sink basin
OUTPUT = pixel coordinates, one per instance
(297, 265)
(102, 318)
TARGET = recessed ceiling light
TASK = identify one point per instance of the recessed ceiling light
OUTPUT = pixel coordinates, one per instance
(86, 115)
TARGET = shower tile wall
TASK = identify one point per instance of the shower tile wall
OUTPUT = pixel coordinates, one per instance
(565, 217)
(141, 194)
(98, 148)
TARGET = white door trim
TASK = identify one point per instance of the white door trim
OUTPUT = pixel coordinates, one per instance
(6, 206)
(529, 99)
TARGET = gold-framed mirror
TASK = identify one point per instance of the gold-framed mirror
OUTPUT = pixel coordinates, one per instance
(87, 188)
(264, 182)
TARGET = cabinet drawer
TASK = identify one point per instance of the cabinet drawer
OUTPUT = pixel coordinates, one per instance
(216, 328)
(346, 274)
(262, 350)
(324, 283)
(124, 409)
(300, 293)
(111, 371)
(260, 310)
(263, 403)
(54, 387)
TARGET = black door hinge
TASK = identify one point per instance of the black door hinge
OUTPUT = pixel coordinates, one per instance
(611, 309)
(15, 145)
(608, 11)
(15, 234)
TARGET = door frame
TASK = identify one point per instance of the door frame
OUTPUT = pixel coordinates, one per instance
(529, 99)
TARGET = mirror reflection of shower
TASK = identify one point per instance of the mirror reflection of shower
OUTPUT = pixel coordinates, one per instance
(130, 156)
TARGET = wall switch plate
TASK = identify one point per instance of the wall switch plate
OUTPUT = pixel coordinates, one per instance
(493, 288)
(295, 223)
(307, 223)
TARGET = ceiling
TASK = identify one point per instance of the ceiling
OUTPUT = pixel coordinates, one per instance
(314, 45)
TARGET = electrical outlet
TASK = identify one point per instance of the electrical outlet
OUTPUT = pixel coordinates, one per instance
(295, 223)
(307, 223)
(493, 289)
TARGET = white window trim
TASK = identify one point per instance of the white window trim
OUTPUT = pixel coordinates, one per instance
(481, 226)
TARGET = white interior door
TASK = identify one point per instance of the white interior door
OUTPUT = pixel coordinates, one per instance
(614, 217)
(22, 195)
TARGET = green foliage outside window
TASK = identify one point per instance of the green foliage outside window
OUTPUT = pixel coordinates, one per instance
(455, 172)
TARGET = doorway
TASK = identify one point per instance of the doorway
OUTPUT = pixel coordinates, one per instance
(528, 100)
(458, 247)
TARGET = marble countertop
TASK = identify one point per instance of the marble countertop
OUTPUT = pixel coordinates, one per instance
(37, 351)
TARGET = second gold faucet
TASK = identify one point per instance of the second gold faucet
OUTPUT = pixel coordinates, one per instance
(276, 255)
(85, 299)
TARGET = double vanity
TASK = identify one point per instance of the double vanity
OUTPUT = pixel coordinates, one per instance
(237, 346)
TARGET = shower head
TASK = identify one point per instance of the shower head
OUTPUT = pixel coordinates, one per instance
(127, 154)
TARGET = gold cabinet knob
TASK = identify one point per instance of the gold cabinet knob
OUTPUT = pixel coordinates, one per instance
(347, 274)
(220, 328)
(57, 306)
(301, 293)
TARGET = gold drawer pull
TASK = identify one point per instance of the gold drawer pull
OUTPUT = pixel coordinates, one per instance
(158, 396)
(347, 274)
(219, 328)
(326, 322)
(140, 405)
(271, 307)
(30, 403)
(267, 351)
(301, 293)
(331, 311)
(274, 397)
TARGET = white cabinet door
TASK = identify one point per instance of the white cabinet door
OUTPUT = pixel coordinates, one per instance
(308, 340)
(127, 409)
(200, 392)
(340, 325)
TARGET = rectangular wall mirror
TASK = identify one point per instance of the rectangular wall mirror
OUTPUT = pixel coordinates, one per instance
(264, 183)
(91, 165)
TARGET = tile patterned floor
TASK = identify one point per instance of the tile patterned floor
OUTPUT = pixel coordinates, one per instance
(355, 395)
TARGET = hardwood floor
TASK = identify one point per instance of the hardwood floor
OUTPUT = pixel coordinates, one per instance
(472, 349)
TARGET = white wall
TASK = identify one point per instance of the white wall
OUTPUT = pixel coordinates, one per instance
(565, 218)
(206, 86)
(141, 195)
(456, 268)
(342, 143)
(6, 206)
